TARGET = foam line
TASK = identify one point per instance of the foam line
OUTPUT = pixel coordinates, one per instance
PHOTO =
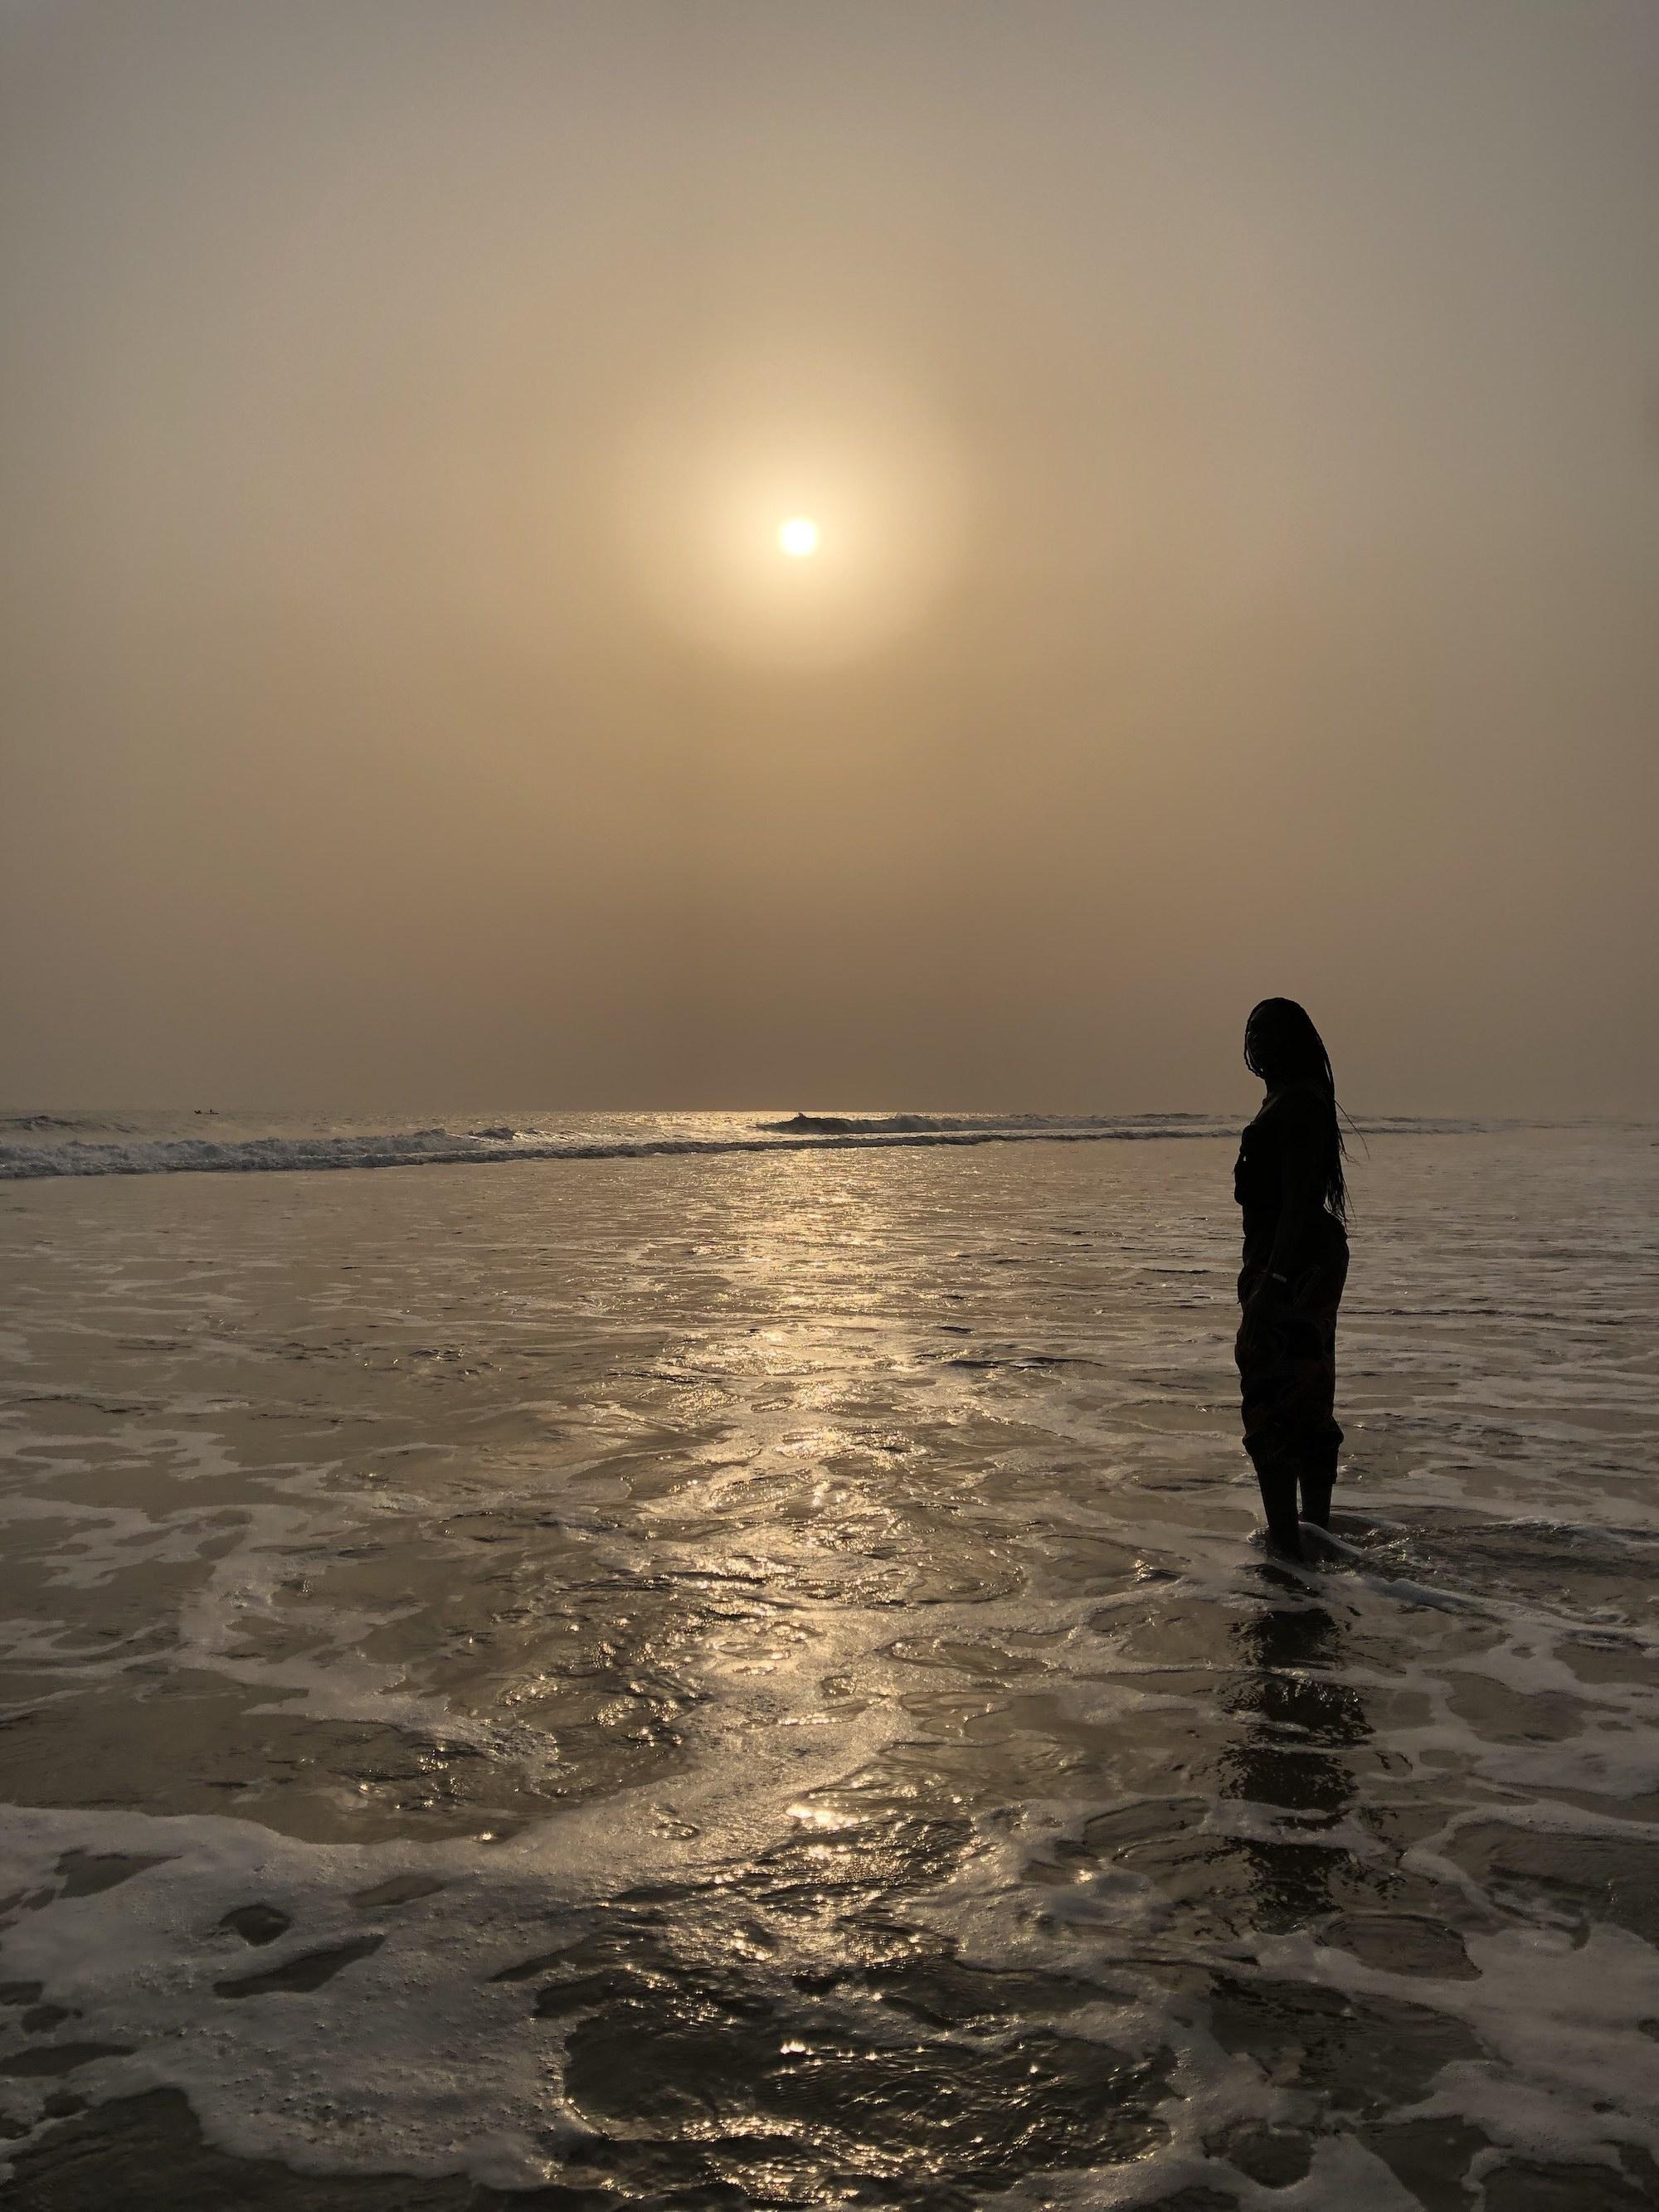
(1396, 1586)
(446, 1148)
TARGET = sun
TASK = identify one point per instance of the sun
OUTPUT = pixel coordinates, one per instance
(798, 536)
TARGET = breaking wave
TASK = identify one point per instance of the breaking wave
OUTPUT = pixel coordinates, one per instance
(207, 1141)
(440, 1147)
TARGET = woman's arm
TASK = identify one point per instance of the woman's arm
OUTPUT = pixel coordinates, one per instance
(1302, 1186)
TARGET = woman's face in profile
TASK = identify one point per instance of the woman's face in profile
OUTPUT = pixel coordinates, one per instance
(1258, 1050)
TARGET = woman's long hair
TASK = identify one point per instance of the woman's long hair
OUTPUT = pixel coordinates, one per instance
(1282, 1045)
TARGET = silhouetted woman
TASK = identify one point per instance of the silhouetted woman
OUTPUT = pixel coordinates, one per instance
(1289, 1181)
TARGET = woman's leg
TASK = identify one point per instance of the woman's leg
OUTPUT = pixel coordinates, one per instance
(1277, 1488)
(1265, 1383)
(1317, 1484)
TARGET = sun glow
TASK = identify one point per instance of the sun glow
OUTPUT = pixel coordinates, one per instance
(788, 507)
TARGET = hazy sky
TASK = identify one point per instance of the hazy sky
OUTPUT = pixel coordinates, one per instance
(1233, 426)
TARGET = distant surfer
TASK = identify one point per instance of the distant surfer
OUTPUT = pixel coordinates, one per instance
(1289, 1183)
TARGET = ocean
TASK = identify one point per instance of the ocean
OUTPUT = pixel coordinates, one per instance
(724, 1660)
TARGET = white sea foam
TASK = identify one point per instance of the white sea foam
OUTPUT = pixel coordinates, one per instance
(36, 1146)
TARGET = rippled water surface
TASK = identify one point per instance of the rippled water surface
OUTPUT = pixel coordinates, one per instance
(745, 1680)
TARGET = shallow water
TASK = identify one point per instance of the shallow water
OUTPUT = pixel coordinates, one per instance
(728, 1679)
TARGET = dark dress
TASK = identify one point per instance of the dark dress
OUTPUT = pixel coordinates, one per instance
(1286, 1350)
